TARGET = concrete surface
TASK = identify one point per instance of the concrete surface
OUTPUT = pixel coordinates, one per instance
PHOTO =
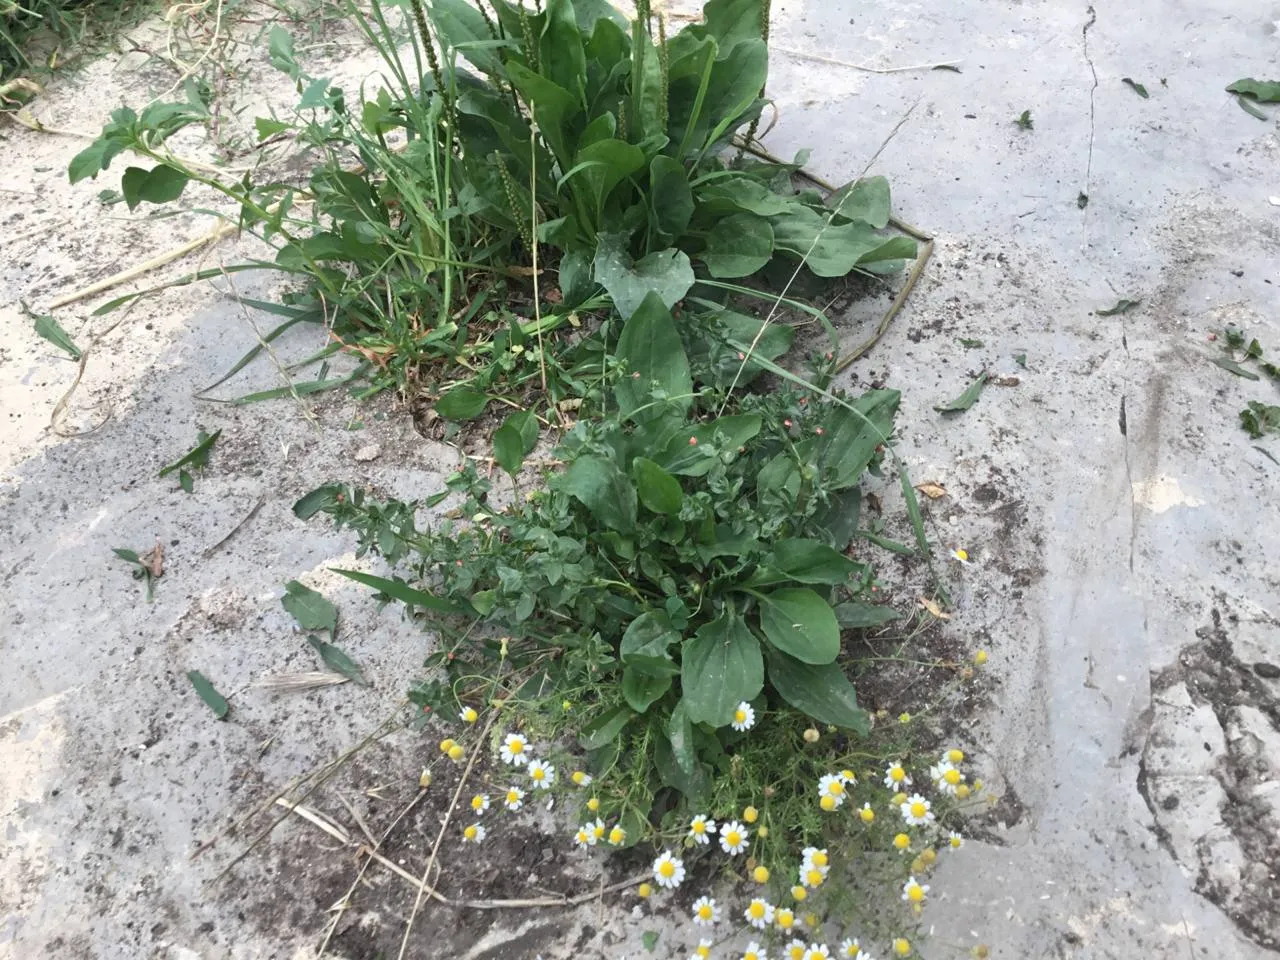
(1120, 521)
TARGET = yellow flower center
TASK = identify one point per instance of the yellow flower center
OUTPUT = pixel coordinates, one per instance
(751, 955)
(456, 752)
(702, 951)
(962, 791)
(899, 798)
(699, 826)
(516, 746)
(955, 756)
(704, 912)
(617, 835)
(538, 773)
(915, 893)
(852, 949)
(902, 841)
(799, 893)
(645, 890)
(733, 838)
(952, 777)
(820, 858)
(762, 832)
(447, 744)
(477, 802)
(469, 715)
(814, 877)
(739, 716)
(667, 869)
(827, 802)
(512, 796)
(955, 843)
(848, 775)
(867, 814)
(785, 919)
(835, 788)
(929, 856)
(761, 874)
(797, 952)
(751, 814)
(902, 946)
(918, 809)
(469, 833)
(593, 804)
(578, 776)
(756, 909)
(897, 773)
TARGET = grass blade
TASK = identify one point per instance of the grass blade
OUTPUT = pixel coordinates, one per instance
(336, 660)
(216, 702)
(399, 590)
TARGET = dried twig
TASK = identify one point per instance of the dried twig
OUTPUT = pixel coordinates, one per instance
(818, 58)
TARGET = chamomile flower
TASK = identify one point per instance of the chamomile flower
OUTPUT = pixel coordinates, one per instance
(849, 777)
(759, 913)
(456, 753)
(514, 799)
(701, 829)
(798, 893)
(812, 876)
(597, 829)
(901, 946)
(668, 871)
(954, 756)
(705, 912)
(702, 951)
(593, 804)
(750, 814)
(917, 810)
(863, 955)
(832, 785)
(581, 778)
(468, 715)
(473, 833)
(760, 874)
(902, 842)
(542, 774)
(813, 857)
(784, 918)
(829, 803)
(480, 803)
(913, 891)
(818, 951)
(584, 838)
(447, 744)
(795, 950)
(960, 555)
(617, 836)
(866, 813)
(744, 717)
(946, 777)
(955, 841)
(754, 952)
(896, 776)
(733, 838)
(515, 750)
(849, 949)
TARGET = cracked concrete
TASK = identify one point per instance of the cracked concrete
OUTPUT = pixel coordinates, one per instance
(1109, 500)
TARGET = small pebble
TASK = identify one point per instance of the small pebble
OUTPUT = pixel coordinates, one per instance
(1268, 671)
(368, 452)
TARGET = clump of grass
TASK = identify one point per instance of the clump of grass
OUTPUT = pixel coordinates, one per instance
(35, 33)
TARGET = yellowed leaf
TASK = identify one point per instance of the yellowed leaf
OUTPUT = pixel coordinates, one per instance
(932, 490)
(934, 609)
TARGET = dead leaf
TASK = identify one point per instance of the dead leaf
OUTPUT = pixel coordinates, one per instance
(932, 490)
(154, 560)
(934, 609)
(1006, 381)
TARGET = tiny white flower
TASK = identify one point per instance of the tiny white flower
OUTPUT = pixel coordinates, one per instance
(705, 912)
(597, 829)
(759, 913)
(514, 799)
(960, 555)
(818, 951)
(744, 717)
(701, 829)
(849, 949)
(896, 776)
(584, 838)
(754, 952)
(542, 774)
(832, 785)
(812, 857)
(955, 841)
(914, 891)
(917, 811)
(946, 777)
(581, 778)
(733, 838)
(473, 834)
(668, 871)
(480, 803)
(468, 715)
(515, 750)
(863, 955)
(795, 950)
(617, 836)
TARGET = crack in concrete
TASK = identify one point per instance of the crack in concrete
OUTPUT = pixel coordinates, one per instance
(1088, 169)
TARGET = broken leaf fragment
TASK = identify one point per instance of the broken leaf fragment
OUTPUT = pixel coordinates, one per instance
(1226, 363)
(336, 660)
(1122, 306)
(1263, 91)
(968, 398)
(311, 610)
(1259, 419)
(215, 701)
(932, 490)
(934, 609)
(1136, 87)
(1024, 121)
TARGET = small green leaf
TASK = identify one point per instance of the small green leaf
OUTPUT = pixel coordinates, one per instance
(51, 330)
(799, 622)
(160, 184)
(461, 403)
(1020, 359)
(1122, 306)
(658, 490)
(860, 616)
(513, 441)
(337, 661)
(603, 489)
(1264, 91)
(309, 504)
(208, 694)
(605, 728)
(646, 641)
(399, 590)
(969, 344)
(1226, 363)
(966, 399)
(649, 940)
(641, 689)
(310, 609)
(719, 668)
(197, 457)
(280, 52)
(185, 481)
(1136, 87)
(1024, 121)
(738, 246)
(1248, 107)
(823, 692)
(811, 561)
(269, 127)
(1260, 418)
